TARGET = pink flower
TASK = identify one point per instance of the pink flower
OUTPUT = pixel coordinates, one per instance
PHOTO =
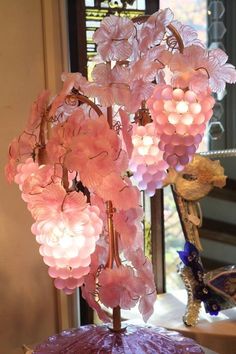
(198, 69)
(119, 287)
(146, 305)
(126, 130)
(78, 80)
(122, 194)
(141, 77)
(99, 203)
(75, 80)
(37, 181)
(26, 145)
(99, 256)
(112, 38)
(10, 170)
(95, 157)
(141, 90)
(103, 93)
(218, 70)
(23, 147)
(38, 111)
(102, 73)
(62, 136)
(188, 34)
(88, 293)
(109, 86)
(126, 86)
(188, 70)
(144, 271)
(153, 30)
(24, 170)
(90, 286)
(53, 201)
(129, 226)
(20, 149)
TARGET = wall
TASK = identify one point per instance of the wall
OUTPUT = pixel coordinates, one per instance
(31, 58)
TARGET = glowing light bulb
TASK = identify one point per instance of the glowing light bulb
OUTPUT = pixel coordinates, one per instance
(65, 241)
(195, 108)
(147, 140)
(154, 150)
(173, 118)
(182, 107)
(136, 140)
(169, 106)
(158, 106)
(167, 93)
(190, 96)
(178, 94)
(187, 119)
(143, 150)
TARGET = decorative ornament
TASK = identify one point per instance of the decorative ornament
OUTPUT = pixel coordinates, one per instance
(195, 182)
(180, 118)
(147, 163)
(72, 163)
(198, 178)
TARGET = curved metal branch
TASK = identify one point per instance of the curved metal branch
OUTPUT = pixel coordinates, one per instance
(93, 105)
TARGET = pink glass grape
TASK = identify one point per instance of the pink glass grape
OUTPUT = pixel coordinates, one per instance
(67, 244)
(147, 162)
(180, 119)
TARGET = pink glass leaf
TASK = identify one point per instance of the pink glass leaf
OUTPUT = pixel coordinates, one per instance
(112, 38)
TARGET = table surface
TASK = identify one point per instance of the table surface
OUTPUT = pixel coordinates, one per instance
(212, 332)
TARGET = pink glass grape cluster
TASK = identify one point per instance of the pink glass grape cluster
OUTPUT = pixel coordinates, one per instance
(180, 118)
(147, 162)
(24, 170)
(66, 246)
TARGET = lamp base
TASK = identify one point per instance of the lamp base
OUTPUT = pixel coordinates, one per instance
(92, 339)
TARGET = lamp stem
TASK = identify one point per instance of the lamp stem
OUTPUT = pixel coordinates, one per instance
(116, 249)
(116, 319)
(113, 243)
(110, 210)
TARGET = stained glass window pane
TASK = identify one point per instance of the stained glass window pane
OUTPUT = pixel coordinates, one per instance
(89, 2)
(138, 5)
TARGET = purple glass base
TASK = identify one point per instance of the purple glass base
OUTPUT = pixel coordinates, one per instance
(93, 339)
